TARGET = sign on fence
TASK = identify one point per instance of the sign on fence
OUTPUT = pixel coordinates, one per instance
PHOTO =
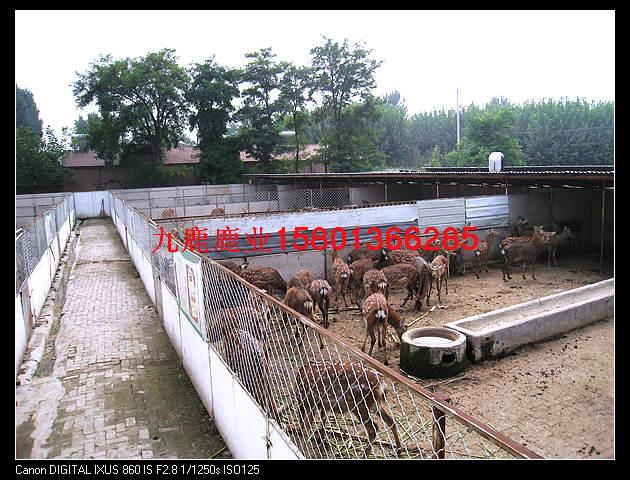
(189, 288)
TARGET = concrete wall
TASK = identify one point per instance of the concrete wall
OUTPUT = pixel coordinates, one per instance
(30, 300)
(243, 426)
(92, 204)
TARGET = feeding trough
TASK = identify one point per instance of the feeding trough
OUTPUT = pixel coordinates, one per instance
(433, 352)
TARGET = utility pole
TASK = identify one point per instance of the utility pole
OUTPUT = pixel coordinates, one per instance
(458, 134)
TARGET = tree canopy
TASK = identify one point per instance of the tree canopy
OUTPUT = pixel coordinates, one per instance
(26, 112)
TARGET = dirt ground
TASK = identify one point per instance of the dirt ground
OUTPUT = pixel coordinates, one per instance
(555, 397)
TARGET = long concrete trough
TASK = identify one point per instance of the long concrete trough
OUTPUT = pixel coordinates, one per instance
(502, 331)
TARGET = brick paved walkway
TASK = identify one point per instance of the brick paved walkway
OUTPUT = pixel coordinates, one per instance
(110, 384)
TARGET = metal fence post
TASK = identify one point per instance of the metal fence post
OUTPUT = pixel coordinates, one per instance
(438, 432)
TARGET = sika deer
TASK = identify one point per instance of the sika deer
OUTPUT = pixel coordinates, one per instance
(402, 275)
(342, 388)
(481, 253)
(231, 266)
(320, 292)
(248, 319)
(375, 314)
(380, 257)
(357, 271)
(341, 272)
(553, 241)
(375, 281)
(302, 278)
(301, 301)
(425, 279)
(401, 255)
(525, 252)
(266, 278)
(438, 268)
(245, 357)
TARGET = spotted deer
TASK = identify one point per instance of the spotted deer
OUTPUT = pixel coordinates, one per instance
(376, 314)
(341, 272)
(438, 268)
(525, 253)
(358, 268)
(402, 275)
(375, 281)
(321, 291)
(553, 241)
(481, 253)
(266, 278)
(344, 388)
(302, 278)
(301, 301)
(402, 255)
(245, 356)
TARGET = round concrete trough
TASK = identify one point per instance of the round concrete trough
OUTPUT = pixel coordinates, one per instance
(433, 352)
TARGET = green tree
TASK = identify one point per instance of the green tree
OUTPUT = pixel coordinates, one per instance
(342, 74)
(26, 112)
(140, 101)
(356, 143)
(260, 114)
(211, 94)
(393, 127)
(486, 131)
(294, 97)
(38, 161)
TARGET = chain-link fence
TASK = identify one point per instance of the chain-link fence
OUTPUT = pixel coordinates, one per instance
(330, 399)
(32, 240)
(238, 203)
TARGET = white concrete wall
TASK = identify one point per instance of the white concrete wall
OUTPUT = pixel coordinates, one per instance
(37, 288)
(21, 337)
(92, 204)
(242, 424)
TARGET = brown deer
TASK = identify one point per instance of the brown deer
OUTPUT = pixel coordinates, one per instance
(380, 257)
(375, 281)
(376, 314)
(302, 278)
(402, 275)
(553, 241)
(301, 301)
(266, 278)
(344, 388)
(244, 318)
(425, 279)
(401, 255)
(320, 291)
(357, 270)
(341, 272)
(439, 272)
(523, 252)
(217, 211)
(245, 357)
(481, 253)
(231, 266)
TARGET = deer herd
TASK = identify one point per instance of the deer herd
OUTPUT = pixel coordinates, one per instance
(367, 277)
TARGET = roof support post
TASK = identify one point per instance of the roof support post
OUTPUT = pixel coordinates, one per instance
(437, 189)
(385, 184)
(601, 236)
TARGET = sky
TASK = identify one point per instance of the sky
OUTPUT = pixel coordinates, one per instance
(427, 55)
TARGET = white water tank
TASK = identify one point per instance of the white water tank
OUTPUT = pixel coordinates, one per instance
(495, 162)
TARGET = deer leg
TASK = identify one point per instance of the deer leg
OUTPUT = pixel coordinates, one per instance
(524, 269)
(384, 340)
(372, 340)
(446, 283)
(533, 277)
(409, 295)
(389, 421)
(363, 414)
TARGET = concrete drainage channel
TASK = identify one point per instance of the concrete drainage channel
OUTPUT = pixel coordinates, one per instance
(502, 331)
(437, 352)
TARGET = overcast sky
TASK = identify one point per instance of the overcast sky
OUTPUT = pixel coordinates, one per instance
(427, 55)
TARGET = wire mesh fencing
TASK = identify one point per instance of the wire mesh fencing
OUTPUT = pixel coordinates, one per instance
(165, 207)
(332, 400)
(33, 239)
